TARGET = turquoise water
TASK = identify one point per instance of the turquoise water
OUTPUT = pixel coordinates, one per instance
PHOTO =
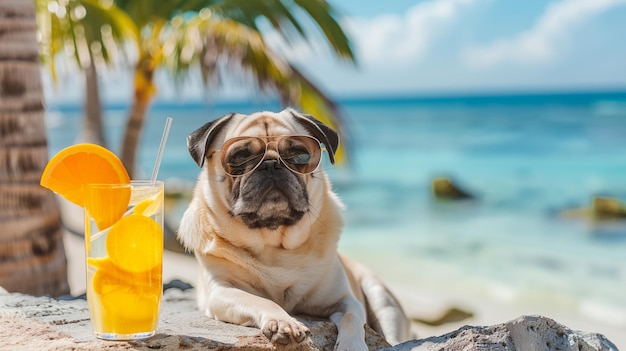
(525, 157)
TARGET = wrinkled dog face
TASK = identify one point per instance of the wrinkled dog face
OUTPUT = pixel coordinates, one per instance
(270, 196)
(268, 170)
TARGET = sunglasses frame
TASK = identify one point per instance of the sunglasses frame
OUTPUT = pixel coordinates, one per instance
(276, 141)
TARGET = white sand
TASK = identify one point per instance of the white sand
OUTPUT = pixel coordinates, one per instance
(422, 304)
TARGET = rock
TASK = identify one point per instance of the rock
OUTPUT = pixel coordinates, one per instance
(42, 323)
(445, 188)
(450, 315)
(601, 209)
(608, 208)
(532, 333)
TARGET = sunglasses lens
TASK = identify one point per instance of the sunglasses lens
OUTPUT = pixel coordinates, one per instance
(301, 154)
(241, 155)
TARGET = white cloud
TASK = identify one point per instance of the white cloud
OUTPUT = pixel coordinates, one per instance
(385, 39)
(541, 42)
(390, 39)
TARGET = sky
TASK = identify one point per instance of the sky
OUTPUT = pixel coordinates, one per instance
(448, 47)
(478, 45)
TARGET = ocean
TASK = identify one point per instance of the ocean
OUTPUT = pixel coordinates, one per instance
(526, 158)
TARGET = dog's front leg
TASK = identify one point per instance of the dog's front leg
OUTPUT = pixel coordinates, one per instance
(349, 317)
(240, 307)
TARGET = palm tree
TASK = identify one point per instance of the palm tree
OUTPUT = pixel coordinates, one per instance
(155, 26)
(32, 256)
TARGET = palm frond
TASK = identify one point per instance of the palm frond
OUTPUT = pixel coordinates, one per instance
(325, 17)
(280, 14)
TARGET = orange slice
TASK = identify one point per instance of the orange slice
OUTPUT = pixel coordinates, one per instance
(135, 243)
(72, 168)
(107, 204)
(131, 312)
(150, 206)
(130, 301)
(110, 277)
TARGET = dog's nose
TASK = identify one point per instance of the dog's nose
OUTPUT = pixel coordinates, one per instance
(270, 164)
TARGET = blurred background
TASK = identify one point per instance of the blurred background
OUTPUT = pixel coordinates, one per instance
(484, 158)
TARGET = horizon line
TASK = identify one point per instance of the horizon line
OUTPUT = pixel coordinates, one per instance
(384, 97)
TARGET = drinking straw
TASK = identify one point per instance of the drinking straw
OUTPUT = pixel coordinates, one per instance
(157, 164)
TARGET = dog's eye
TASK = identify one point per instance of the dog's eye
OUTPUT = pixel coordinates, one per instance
(297, 155)
(242, 158)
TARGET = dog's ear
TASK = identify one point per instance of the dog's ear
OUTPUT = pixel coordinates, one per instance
(322, 132)
(199, 141)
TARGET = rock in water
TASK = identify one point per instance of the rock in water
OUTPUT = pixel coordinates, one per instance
(445, 188)
(608, 208)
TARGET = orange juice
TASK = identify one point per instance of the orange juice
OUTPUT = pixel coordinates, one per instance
(124, 258)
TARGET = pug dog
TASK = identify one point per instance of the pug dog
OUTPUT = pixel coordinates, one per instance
(264, 225)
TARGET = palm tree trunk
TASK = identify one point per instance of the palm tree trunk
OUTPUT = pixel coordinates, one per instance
(32, 256)
(144, 91)
(91, 129)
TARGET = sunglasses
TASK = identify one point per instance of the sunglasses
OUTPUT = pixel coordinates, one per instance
(299, 153)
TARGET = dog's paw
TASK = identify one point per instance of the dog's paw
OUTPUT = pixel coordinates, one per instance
(285, 331)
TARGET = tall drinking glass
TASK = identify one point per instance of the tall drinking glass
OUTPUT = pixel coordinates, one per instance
(124, 251)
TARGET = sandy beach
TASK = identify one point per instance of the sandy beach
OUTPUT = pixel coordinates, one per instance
(418, 304)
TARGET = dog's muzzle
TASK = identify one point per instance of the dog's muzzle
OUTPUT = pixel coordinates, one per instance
(270, 197)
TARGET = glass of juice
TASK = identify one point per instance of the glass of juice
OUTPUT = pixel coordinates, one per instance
(124, 254)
